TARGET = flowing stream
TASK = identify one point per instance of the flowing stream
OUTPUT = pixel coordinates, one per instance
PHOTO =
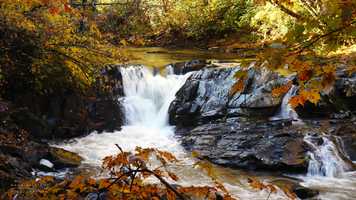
(286, 111)
(330, 171)
(146, 102)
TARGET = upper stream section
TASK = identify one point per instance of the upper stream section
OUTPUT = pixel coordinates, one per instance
(160, 57)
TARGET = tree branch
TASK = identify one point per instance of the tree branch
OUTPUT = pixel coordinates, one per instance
(319, 37)
(285, 9)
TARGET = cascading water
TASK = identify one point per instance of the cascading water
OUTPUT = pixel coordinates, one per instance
(146, 102)
(329, 170)
(286, 111)
(327, 158)
(148, 96)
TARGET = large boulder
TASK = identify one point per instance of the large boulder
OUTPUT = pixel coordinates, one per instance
(249, 144)
(205, 95)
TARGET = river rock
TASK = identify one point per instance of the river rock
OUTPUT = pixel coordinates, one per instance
(249, 144)
(20, 153)
(64, 159)
(205, 95)
(185, 67)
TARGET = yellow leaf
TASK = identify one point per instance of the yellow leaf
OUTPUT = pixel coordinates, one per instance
(123, 42)
(311, 95)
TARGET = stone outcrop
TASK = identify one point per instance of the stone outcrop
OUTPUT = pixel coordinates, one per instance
(185, 67)
(237, 131)
(29, 121)
(249, 144)
(205, 96)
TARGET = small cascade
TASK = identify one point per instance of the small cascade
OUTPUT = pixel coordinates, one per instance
(148, 96)
(326, 157)
(286, 111)
(146, 103)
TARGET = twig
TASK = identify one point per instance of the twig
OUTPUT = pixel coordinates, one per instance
(119, 148)
(269, 194)
(166, 184)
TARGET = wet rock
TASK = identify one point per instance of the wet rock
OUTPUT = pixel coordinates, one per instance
(64, 159)
(253, 145)
(345, 132)
(5, 181)
(185, 67)
(205, 96)
(92, 196)
(46, 165)
(304, 193)
(20, 153)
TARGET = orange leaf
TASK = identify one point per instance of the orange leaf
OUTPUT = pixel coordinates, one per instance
(256, 184)
(103, 184)
(279, 91)
(297, 100)
(173, 176)
(91, 181)
(237, 87)
(311, 95)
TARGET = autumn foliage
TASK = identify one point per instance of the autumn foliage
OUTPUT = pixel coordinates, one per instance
(47, 46)
(128, 179)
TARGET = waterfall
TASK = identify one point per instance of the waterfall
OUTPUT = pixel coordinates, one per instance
(148, 96)
(286, 111)
(146, 102)
(326, 157)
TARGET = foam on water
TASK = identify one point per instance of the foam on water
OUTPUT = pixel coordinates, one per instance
(146, 102)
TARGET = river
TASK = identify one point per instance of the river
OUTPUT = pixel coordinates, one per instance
(146, 101)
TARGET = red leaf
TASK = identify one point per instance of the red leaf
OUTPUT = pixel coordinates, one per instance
(54, 10)
(305, 75)
(67, 8)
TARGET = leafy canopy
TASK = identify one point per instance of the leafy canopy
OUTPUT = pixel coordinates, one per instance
(48, 45)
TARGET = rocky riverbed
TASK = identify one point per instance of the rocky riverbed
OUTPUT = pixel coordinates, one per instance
(244, 130)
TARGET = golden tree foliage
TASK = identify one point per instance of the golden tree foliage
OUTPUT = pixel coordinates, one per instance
(305, 30)
(49, 43)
